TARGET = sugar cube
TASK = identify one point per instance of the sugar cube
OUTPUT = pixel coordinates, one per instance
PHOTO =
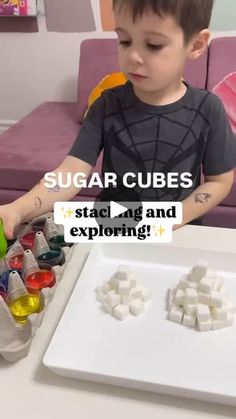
(136, 307)
(183, 283)
(146, 294)
(191, 296)
(136, 292)
(170, 299)
(190, 308)
(219, 313)
(176, 314)
(121, 311)
(220, 324)
(179, 297)
(122, 272)
(114, 283)
(132, 280)
(203, 298)
(203, 313)
(113, 299)
(189, 320)
(199, 271)
(206, 284)
(124, 287)
(193, 284)
(217, 299)
(205, 326)
(125, 299)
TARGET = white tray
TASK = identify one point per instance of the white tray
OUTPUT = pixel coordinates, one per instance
(148, 352)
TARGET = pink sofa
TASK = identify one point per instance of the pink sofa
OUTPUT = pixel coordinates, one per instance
(40, 141)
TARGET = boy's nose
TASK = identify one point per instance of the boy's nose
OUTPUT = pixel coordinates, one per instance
(135, 57)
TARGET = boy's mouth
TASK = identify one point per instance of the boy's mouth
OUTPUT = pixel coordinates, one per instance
(137, 76)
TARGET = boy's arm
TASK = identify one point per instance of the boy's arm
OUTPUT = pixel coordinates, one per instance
(41, 199)
(206, 196)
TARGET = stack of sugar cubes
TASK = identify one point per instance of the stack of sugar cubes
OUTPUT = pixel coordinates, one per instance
(200, 299)
(122, 294)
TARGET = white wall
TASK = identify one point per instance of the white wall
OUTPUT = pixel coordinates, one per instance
(39, 67)
(224, 15)
(43, 66)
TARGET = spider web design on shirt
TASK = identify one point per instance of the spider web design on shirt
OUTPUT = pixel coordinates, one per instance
(190, 145)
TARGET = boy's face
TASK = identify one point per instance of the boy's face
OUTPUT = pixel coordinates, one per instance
(151, 47)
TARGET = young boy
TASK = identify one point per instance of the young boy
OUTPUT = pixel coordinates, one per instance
(155, 122)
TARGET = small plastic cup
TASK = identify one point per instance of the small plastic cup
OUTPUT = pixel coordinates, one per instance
(38, 225)
(16, 262)
(53, 257)
(22, 305)
(27, 241)
(4, 277)
(57, 241)
(40, 280)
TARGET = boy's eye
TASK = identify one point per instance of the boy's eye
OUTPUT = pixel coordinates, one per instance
(124, 43)
(153, 47)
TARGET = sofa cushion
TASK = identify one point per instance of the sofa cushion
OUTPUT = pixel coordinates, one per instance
(222, 59)
(226, 90)
(230, 200)
(98, 57)
(221, 217)
(36, 144)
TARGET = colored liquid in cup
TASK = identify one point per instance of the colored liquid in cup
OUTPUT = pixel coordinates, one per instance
(40, 279)
(27, 241)
(52, 257)
(16, 263)
(57, 241)
(38, 225)
(4, 278)
(25, 305)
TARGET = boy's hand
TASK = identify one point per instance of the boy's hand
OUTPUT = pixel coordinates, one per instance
(11, 219)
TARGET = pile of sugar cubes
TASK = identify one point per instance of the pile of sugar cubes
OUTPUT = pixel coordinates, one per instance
(199, 299)
(122, 294)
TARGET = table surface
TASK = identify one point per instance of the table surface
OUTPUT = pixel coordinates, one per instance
(28, 390)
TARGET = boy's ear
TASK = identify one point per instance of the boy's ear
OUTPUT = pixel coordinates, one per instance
(198, 44)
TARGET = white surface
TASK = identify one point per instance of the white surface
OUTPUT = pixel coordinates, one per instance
(149, 353)
(47, 395)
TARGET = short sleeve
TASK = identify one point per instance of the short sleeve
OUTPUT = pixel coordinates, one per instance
(89, 142)
(220, 152)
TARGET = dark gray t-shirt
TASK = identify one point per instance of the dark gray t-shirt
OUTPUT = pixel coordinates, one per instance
(189, 135)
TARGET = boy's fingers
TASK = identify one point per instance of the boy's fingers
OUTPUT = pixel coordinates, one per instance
(9, 231)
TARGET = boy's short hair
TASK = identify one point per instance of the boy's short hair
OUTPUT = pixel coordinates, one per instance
(191, 15)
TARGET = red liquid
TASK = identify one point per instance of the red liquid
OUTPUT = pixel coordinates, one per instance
(41, 279)
(3, 295)
(27, 241)
(16, 262)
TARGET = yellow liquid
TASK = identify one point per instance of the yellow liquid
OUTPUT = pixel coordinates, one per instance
(25, 305)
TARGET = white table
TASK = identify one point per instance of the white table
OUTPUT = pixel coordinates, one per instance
(29, 391)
